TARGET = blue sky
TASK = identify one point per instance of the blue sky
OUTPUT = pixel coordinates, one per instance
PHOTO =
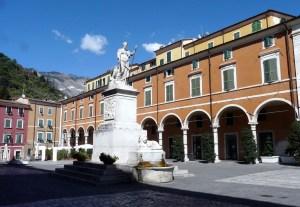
(81, 37)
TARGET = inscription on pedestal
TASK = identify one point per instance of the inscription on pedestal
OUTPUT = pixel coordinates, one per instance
(109, 109)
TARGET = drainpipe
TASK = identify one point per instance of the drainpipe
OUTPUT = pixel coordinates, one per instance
(157, 97)
(60, 123)
(55, 128)
(291, 85)
(34, 123)
(210, 91)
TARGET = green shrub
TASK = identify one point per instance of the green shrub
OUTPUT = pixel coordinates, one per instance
(107, 159)
(62, 154)
(208, 147)
(293, 148)
(80, 156)
(89, 153)
(178, 150)
(248, 146)
(72, 152)
(49, 154)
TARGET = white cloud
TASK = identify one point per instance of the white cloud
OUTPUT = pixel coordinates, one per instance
(94, 43)
(61, 36)
(151, 47)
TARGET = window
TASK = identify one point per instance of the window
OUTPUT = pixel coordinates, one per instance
(101, 108)
(41, 123)
(152, 63)
(72, 114)
(19, 138)
(40, 137)
(228, 78)
(143, 67)
(187, 54)
(8, 110)
(256, 26)
(148, 96)
(229, 119)
(195, 64)
(148, 79)
(17, 154)
(169, 91)
(268, 42)
(7, 138)
(168, 72)
(236, 35)
(195, 86)
(80, 112)
(161, 61)
(270, 68)
(20, 123)
(21, 111)
(103, 81)
(91, 97)
(91, 110)
(65, 115)
(41, 110)
(227, 54)
(7, 123)
(49, 137)
(210, 45)
(88, 87)
(49, 123)
(49, 111)
(169, 57)
(93, 85)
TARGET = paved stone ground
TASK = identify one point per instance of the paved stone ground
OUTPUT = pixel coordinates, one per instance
(221, 184)
(263, 182)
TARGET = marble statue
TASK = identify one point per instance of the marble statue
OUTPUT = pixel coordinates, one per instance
(121, 71)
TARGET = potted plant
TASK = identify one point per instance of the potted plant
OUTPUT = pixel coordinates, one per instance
(267, 154)
(108, 159)
(249, 146)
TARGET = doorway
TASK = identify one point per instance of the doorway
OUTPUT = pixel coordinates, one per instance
(231, 147)
(197, 147)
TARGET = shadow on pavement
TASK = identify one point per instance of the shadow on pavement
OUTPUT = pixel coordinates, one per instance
(21, 184)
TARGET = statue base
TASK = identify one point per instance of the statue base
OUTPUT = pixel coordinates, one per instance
(120, 135)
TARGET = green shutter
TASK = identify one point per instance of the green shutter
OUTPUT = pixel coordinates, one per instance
(195, 64)
(147, 98)
(169, 93)
(227, 54)
(268, 41)
(256, 26)
(270, 70)
(161, 62)
(168, 57)
(228, 79)
(195, 84)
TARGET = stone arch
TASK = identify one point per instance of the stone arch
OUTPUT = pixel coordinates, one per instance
(146, 119)
(72, 137)
(165, 117)
(266, 102)
(216, 121)
(90, 134)
(149, 124)
(186, 120)
(81, 135)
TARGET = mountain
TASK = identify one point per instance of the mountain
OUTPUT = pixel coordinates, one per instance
(14, 79)
(68, 84)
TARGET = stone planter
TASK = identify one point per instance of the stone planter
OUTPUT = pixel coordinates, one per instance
(269, 159)
(155, 174)
(287, 160)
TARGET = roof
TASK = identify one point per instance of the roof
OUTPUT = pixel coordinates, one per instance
(44, 102)
(13, 104)
(99, 76)
(238, 24)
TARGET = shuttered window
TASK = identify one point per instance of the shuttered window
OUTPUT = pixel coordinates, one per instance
(256, 26)
(169, 92)
(228, 79)
(195, 86)
(270, 70)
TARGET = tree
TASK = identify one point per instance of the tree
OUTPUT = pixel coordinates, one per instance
(293, 148)
(178, 151)
(208, 147)
(248, 145)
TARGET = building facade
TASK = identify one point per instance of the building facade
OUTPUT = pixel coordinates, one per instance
(13, 129)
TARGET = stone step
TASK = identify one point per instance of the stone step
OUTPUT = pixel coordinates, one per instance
(181, 173)
(75, 173)
(91, 165)
(94, 171)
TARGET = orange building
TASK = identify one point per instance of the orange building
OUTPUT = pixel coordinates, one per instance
(241, 76)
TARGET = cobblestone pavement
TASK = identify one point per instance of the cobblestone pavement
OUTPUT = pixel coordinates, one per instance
(30, 187)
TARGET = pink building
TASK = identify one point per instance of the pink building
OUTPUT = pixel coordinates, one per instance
(13, 128)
